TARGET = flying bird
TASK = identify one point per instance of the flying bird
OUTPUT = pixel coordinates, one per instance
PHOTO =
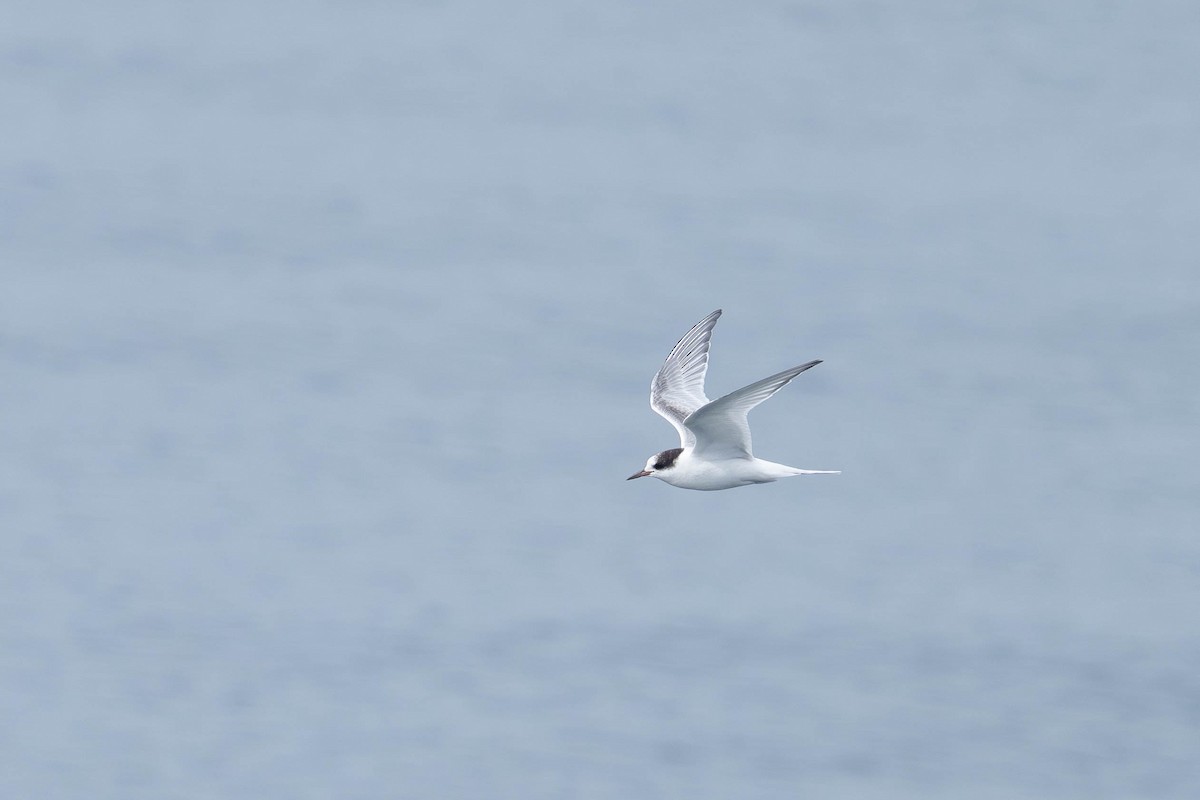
(714, 435)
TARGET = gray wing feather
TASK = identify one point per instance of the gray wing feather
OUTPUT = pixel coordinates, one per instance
(678, 387)
(721, 429)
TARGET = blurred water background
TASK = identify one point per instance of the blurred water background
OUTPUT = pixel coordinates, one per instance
(325, 337)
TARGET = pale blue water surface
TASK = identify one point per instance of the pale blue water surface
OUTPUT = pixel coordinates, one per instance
(325, 336)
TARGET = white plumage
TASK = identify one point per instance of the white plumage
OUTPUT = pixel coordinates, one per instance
(715, 447)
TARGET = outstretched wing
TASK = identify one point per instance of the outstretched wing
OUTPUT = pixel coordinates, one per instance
(720, 428)
(678, 387)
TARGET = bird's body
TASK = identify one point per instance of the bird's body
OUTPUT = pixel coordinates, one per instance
(715, 451)
(691, 472)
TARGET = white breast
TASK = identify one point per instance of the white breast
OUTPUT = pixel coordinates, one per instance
(690, 472)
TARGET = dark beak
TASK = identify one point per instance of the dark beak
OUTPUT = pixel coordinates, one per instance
(641, 474)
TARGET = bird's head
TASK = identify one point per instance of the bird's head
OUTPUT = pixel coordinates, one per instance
(658, 463)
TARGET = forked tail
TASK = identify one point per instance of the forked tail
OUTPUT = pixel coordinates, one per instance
(776, 470)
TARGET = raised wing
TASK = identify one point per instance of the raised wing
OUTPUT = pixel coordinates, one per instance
(720, 428)
(678, 387)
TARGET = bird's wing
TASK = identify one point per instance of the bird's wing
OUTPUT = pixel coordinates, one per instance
(720, 427)
(678, 387)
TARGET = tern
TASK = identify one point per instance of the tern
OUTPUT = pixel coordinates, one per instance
(714, 435)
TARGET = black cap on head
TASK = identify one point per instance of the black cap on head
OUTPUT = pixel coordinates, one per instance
(667, 458)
